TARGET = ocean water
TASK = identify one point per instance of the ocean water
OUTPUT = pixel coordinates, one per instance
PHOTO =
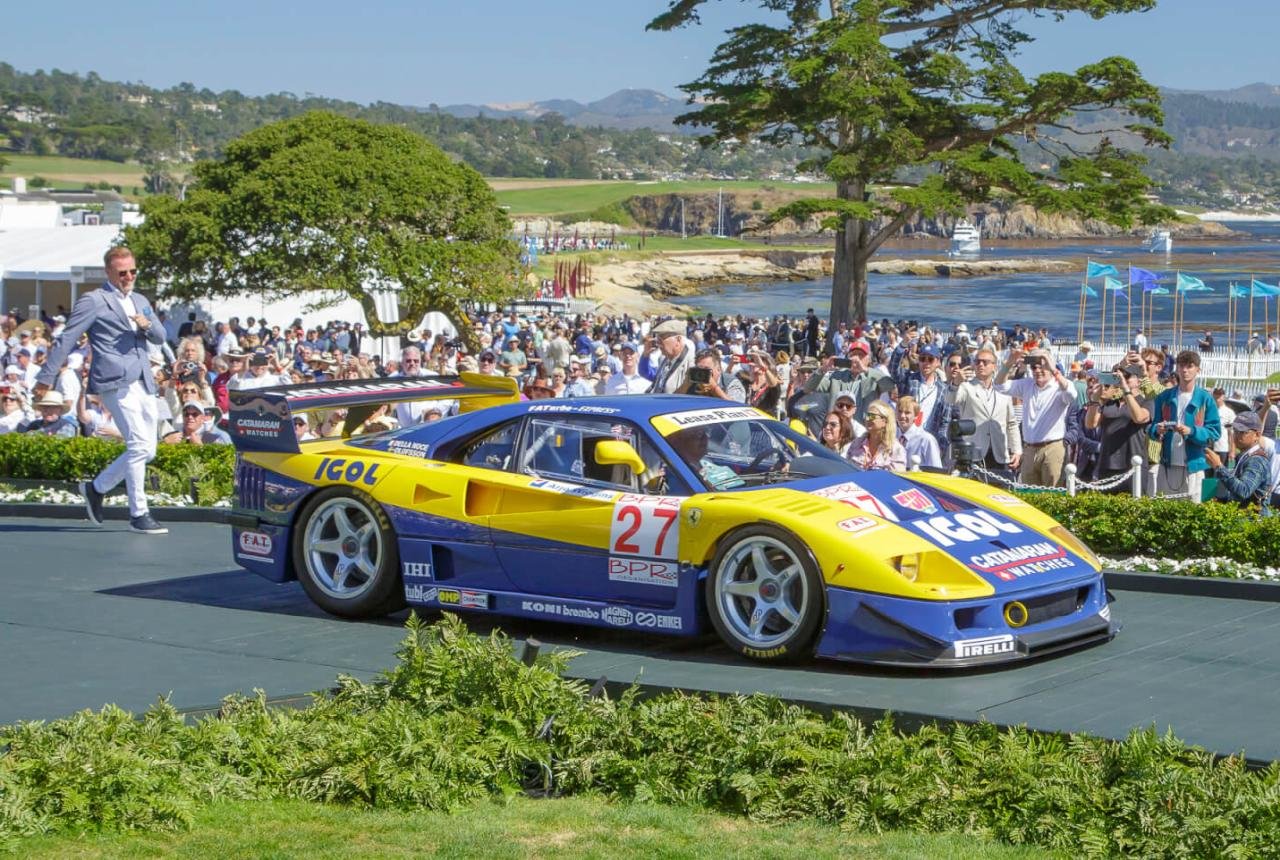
(1050, 300)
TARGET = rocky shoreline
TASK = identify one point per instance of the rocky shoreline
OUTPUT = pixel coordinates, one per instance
(645, 286)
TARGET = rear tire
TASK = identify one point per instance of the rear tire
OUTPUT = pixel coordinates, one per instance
(346, 555)
(765, 595)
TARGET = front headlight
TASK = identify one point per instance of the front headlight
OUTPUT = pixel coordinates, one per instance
(1068, 539)
(907, 565)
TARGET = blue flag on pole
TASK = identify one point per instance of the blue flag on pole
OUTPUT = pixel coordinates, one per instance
(1188, 284)
(1112, 284)
(1238, 292)
(1158, 291)
(1098, 270)
(1089, 291)
(1143, 276)
(1260, 289)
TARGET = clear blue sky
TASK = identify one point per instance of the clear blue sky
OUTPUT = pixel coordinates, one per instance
(451, 51)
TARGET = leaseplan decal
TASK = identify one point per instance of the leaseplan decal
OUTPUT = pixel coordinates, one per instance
(1010, 564)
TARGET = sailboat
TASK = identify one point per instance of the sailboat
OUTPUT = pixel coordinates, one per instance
(1160, 241)
(965, 238)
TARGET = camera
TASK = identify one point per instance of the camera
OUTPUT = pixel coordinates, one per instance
(843, 363)
(190, 371)
(699, 378)
(962, 450)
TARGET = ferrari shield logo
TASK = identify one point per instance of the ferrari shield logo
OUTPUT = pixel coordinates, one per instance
(915, 500)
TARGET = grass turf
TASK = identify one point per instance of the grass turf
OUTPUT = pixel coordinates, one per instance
(578, 198)
(565, 828)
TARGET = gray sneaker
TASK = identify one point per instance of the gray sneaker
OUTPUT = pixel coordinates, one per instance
(147, 525)
(92, 501)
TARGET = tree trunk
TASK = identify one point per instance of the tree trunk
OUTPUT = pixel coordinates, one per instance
(849, 273)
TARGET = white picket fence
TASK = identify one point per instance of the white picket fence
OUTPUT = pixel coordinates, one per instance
(1234, 369)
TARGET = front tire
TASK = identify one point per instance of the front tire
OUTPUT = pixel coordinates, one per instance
(765, 595)
(346, 556)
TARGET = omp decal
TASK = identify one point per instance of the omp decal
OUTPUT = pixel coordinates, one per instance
(915, 500)
(565, 489)
(421, 593)
(853, 494)
(950, 529)
(662, 622)
(857, 525)
(455, 597)
(645, 526)
(417, 570)
(618, 616)
(644, 571)
(351, 471)
(255, 543)
(1010, 564)
(670, 423)
(984, 647)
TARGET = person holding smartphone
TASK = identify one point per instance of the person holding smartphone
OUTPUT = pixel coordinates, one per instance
(1185, 422)
(1116, 405)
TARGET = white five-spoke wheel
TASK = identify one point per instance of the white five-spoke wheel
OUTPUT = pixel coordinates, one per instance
(764, 594)
(345, 555)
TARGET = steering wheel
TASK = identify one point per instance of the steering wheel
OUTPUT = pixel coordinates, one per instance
(780, 459)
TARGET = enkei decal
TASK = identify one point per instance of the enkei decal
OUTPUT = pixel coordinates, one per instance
(340, 469)
(255, 543)
(951, 529)
(915, 500)
(855, 495)
(1010, 564)
(417, 570)
(662, 622)
(421, 593)
(699, 417)
(644, 571)
(984, 647)
(618, 616)
(565, 489)
(645, 526)
(856, 525)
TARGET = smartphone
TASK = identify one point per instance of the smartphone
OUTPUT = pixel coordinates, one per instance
(1109, 378)
(700, 375)
(843, 363)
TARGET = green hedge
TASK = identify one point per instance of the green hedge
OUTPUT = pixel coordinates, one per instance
(1166, 528)
(461, 719)
(34, 456)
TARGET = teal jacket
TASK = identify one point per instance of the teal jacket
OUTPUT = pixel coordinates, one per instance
(1201, 416)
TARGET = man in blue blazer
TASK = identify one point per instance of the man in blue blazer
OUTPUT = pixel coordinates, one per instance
(120, 322)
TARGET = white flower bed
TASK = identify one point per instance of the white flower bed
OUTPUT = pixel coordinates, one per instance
(1220, 568)
(53, 496)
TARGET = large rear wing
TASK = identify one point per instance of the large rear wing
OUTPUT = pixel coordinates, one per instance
(262, 419)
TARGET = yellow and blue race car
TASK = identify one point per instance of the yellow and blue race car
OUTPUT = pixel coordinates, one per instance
(664, 513)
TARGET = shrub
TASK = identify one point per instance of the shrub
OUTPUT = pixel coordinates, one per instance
(1169, 528)
(33, 456)
(460, 719)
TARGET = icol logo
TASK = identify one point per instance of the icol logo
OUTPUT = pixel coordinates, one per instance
(617, 616)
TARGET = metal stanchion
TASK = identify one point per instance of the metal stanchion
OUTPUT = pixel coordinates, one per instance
(1071, 479)
(1138, 473)
(915, 463)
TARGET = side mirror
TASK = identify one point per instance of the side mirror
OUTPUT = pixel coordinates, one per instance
(613, 452)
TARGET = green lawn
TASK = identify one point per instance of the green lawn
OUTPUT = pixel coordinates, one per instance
(569, 828)
(655, 245)
(556, 199)
(72, 172)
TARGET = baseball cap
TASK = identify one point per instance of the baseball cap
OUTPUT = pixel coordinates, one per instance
(860, 346)
(1246, 421)
(929, 350)
(669, 327)
(844, 395)
(627, 344)
(193, 404)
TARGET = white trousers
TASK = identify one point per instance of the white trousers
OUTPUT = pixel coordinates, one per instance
(134, 411)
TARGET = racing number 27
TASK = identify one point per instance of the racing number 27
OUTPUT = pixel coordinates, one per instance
(643, 528)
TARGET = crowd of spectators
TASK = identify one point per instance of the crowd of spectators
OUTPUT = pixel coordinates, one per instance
(883, 394)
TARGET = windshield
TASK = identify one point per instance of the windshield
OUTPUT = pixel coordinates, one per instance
(750, 452)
